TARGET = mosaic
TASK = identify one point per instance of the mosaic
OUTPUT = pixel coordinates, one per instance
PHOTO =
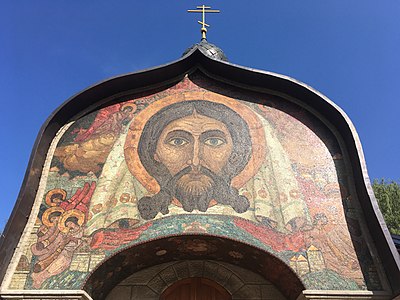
(197, 159)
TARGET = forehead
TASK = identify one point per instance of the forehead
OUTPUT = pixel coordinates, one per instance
(196, 124)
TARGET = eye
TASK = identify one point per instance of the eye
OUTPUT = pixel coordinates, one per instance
(177, 142)
(214, 142)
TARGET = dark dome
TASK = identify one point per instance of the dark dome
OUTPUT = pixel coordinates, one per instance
(208, 49)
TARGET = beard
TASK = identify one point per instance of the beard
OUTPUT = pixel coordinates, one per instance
(194, 189)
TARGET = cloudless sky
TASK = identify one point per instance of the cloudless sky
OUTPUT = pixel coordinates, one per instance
(53, 49)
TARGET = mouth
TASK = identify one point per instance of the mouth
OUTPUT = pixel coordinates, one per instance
(195, 175)
(192, 180)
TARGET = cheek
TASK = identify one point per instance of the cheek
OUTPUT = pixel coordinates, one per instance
(174, 158)
(216, 158)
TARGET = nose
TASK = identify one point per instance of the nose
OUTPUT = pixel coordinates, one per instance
(194, 161)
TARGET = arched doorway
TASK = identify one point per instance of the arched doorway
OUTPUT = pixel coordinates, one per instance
(195, 288)
(151, 283)
(191, 248)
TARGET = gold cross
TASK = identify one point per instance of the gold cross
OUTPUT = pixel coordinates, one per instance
(203, 9)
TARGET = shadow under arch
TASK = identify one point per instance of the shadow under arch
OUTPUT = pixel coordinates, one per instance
(191, 247)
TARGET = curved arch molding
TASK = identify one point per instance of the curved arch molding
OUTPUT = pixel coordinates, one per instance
(192, 247)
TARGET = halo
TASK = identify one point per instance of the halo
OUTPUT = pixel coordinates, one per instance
(128, 104)
(70, 213)
(46, 215)
(51, 193)
(255, 127)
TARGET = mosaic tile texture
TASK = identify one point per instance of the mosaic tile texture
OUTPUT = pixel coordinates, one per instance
(198, 158)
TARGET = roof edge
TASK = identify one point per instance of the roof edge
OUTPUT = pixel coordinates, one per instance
(173, 72)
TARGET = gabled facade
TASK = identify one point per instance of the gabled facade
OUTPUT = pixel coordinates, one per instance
(248, 182)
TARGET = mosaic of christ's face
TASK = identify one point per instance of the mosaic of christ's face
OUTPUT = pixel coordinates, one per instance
(193, 151)
(194, 141)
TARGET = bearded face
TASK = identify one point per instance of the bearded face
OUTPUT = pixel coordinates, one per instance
(191, 145)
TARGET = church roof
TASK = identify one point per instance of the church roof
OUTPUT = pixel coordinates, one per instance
(211, 61)
(208, 49)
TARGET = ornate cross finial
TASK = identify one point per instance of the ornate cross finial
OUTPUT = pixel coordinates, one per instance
(204, 9)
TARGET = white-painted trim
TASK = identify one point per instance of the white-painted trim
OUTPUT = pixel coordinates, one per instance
(344, 295)
(34, 212)
(45, 294)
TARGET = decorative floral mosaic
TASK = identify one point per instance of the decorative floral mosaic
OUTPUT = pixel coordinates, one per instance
(197, 159)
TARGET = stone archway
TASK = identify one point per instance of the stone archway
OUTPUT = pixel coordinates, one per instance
(152, 282)
(199, 249)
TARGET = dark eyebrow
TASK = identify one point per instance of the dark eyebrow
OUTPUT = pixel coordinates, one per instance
(213, 133)
(179, 133)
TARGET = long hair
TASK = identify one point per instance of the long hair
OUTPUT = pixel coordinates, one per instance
(237, 127)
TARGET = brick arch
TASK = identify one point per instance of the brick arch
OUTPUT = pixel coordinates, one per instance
(191, 248)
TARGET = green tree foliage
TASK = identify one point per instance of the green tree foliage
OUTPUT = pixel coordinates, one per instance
(387, 192)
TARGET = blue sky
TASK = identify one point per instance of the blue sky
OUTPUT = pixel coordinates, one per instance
(51, 50)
